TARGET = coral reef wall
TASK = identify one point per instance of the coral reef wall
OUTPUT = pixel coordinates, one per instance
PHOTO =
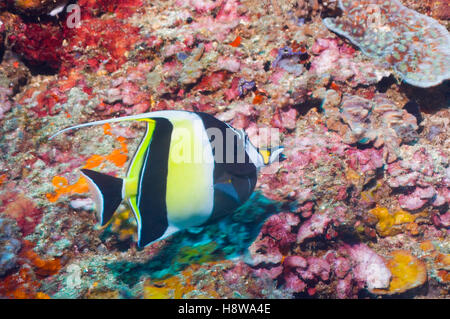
(359, 209)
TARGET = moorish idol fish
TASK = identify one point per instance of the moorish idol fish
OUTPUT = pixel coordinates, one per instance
(189, 170)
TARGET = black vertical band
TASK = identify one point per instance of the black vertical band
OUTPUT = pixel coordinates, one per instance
(242, 176)
(152, 186)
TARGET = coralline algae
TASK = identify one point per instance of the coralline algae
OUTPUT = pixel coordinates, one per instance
(415, 45)
(369, 267)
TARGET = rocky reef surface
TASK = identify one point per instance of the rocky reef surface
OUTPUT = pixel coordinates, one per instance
(359, 209)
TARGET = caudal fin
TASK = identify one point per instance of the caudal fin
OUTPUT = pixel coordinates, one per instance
(107, 191)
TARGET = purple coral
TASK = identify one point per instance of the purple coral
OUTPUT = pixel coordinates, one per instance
(317, 268)
(245, 86)
(289, 60)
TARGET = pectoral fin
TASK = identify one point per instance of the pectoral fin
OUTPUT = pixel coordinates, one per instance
(228, 189)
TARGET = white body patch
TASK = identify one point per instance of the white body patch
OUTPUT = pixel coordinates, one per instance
(98, 197)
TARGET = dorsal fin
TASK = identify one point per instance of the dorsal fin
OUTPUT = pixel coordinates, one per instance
(138, 117)
(113, 120)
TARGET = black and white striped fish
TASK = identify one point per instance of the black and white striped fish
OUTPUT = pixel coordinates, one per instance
(189, 170)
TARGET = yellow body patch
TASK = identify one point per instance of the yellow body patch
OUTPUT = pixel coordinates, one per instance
(131, 187)
(190, 193)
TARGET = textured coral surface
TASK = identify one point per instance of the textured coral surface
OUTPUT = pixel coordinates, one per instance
(359, 208)
(417, 46)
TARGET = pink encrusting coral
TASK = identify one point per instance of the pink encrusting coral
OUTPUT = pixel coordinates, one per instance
(338, 62)
(349, 266)
(415, 45)
(275, 238)
(23, 210)
(423, 178)
(314, 226)
(369, 267)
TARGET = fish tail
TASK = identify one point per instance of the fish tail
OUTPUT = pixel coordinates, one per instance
(107, 192)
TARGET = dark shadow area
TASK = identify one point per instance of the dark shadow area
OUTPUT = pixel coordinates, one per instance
(410, 294)
(331, 12)
(41, 17)
(2, 53)
(303, 108)
(385, 83)
(429, 100)
(41, 69)
(414, 109)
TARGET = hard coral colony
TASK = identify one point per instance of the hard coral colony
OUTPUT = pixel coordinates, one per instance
(356, 92)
